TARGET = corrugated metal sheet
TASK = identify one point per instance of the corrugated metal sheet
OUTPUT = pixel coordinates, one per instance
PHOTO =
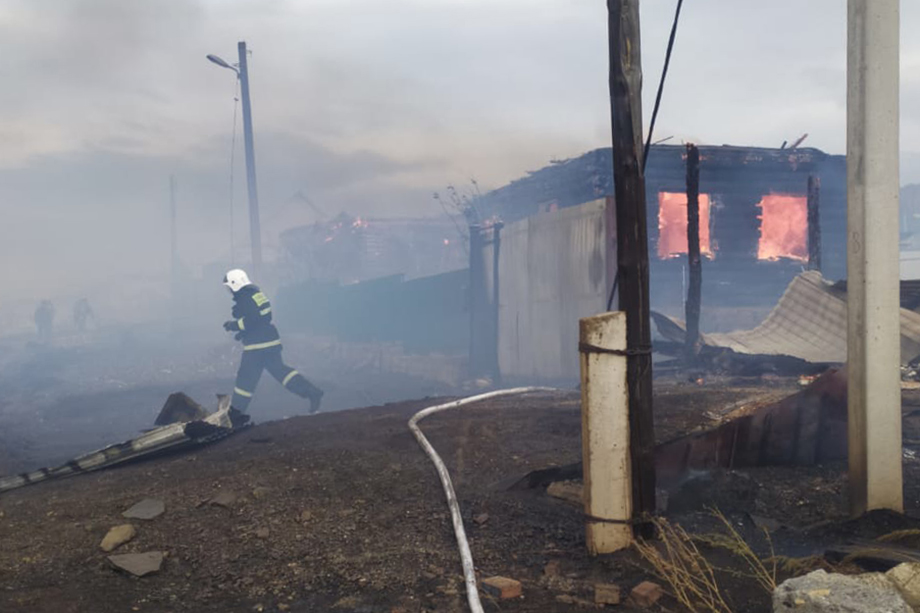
(809, 322)
(552, 272)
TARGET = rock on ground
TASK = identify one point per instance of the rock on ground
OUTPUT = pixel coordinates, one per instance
(139, 564)
(224, 499)
(570, 491)
(646, 594)
(906, 577)
(820, 592)
(118, 536)
(148, 508)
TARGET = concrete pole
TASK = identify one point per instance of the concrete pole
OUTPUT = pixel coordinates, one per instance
(608, 490)
(873, 339)
(255, 229)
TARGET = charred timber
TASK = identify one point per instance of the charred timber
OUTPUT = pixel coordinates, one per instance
(814, 222)
(632, 245)
(695, 264)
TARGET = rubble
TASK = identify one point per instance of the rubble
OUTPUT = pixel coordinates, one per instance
(173, 436)
(502, 588)
(569, 491)
(808, 323)
(906, 577)
(139, 564)
(117, 536)
(225, 499)
(646, 594)
(821, 592)
(147, 509)
(179, 408)
(806, 428)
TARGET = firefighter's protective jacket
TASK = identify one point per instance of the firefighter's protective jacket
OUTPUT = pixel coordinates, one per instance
(252, 313)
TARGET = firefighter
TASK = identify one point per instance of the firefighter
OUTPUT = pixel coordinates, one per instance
(44, 320)
(253, 326)
(82, 313)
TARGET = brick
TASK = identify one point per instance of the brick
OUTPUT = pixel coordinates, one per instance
(646, 594)
(502, 587)
(606, 593)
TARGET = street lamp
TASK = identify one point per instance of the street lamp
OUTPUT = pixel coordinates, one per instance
(255, 232)
(220, 62)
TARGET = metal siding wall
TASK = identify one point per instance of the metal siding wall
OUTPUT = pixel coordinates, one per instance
(552, 270)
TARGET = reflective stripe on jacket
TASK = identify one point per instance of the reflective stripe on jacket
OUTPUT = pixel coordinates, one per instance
(252, 312)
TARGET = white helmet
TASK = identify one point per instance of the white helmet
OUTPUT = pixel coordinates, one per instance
(236, 279)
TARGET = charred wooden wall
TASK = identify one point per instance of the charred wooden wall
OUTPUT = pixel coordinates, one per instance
(736, 178)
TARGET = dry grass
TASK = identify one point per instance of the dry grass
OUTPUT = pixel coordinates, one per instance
(899, 535)
(733, 542)
(678, 561)
(795, 567)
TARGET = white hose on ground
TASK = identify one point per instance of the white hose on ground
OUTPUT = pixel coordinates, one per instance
(469, 574)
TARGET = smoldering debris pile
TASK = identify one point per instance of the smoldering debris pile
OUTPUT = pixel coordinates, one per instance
(804, 333)
(182, 423)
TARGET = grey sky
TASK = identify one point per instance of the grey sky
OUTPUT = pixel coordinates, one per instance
(365, 106)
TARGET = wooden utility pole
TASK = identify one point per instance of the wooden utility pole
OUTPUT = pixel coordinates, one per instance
(632, 245)
(695, 290)
(814, 223)
(873, 331)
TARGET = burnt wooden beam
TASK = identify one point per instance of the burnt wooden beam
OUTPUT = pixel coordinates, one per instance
(694, 261)
(814, 223)
(632, 246)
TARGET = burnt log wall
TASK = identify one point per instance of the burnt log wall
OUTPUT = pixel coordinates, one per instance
(735, 178)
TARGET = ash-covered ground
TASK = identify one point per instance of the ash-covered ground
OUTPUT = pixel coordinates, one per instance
(342, 511)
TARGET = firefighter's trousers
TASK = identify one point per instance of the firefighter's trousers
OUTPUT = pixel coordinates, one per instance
(251, 367)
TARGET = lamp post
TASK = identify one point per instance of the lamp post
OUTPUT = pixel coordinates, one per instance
(255, 231)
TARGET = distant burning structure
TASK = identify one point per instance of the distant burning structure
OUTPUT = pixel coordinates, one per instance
(353, 249)
(754, 216)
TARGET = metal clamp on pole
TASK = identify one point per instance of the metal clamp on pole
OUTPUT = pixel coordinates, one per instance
(589, 348)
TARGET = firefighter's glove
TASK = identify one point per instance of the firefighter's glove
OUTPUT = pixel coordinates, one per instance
(229, 326)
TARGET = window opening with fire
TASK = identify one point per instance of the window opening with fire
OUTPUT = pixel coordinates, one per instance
(783, 227)
(672, 225)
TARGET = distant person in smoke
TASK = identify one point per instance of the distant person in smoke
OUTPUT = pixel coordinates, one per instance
(252, 323)
(44, 320)
(82, 313)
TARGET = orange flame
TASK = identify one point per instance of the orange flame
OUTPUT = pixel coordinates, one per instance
(783, 227)
(672, 225)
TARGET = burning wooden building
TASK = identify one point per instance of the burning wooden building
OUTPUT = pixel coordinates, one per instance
(754, 216)
(353, 249)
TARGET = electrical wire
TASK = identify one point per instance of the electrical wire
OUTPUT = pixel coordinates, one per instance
(664, 74)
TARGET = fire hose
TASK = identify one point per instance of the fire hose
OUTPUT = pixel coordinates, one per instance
(466, 558)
